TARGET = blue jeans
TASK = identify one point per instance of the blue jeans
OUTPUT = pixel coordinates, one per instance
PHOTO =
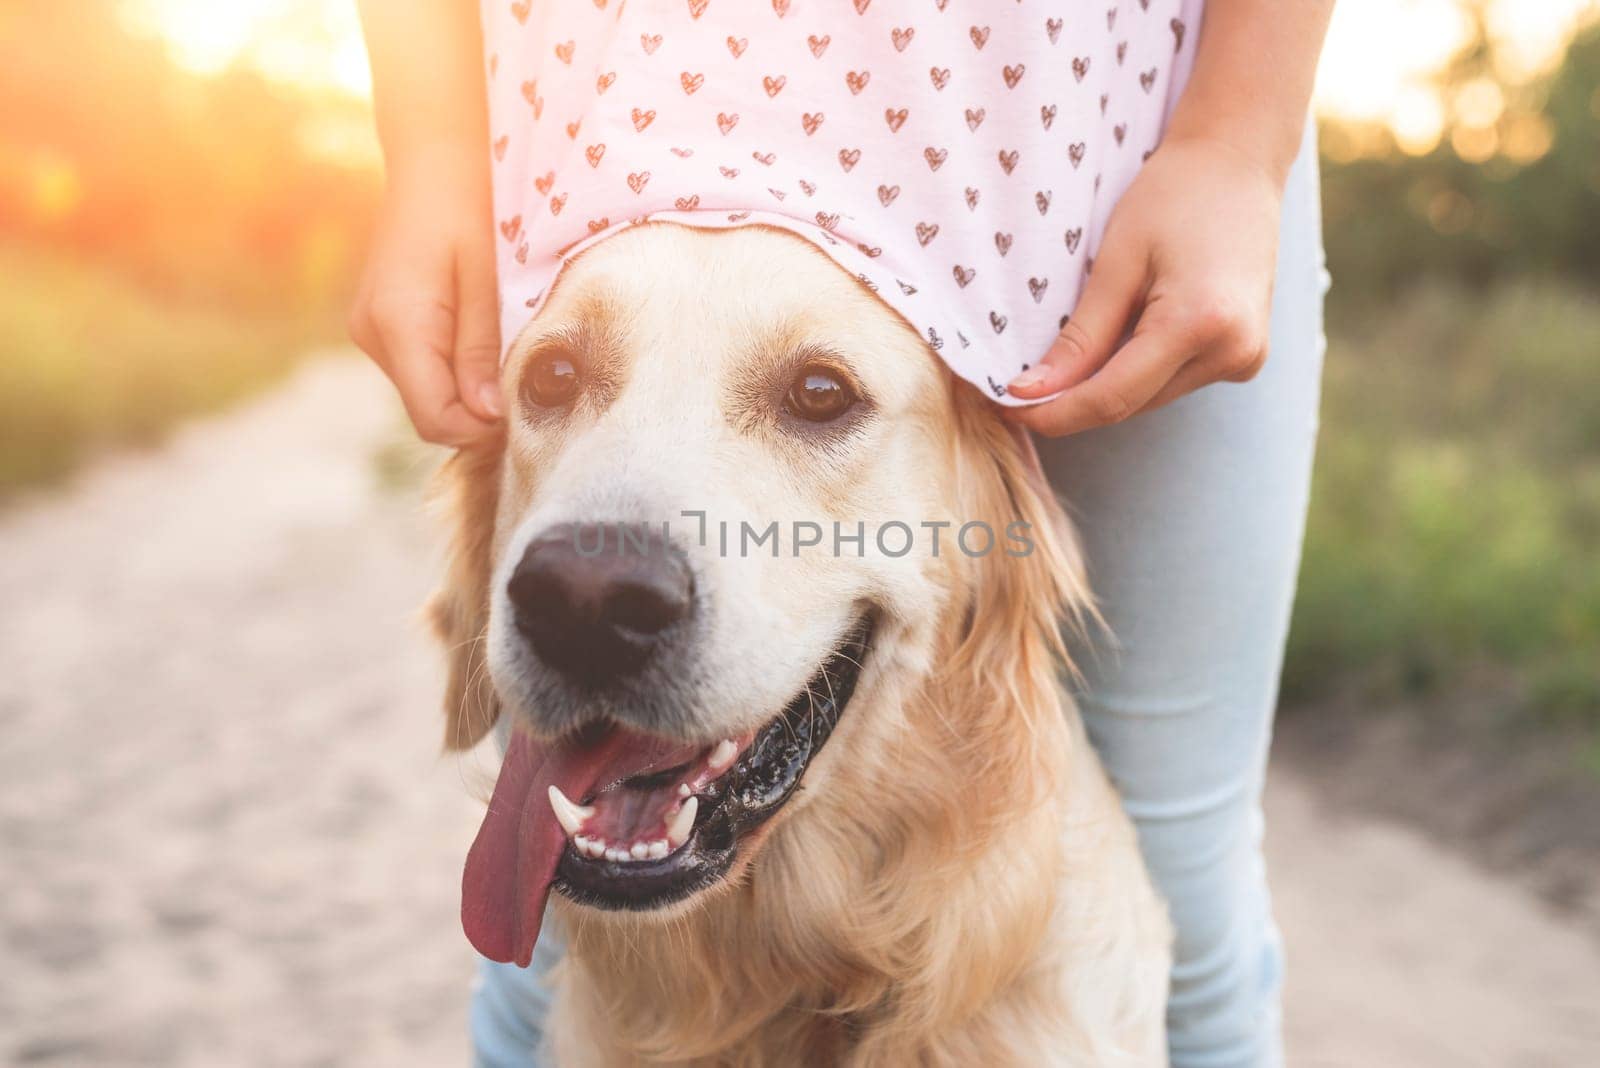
(1192, 519)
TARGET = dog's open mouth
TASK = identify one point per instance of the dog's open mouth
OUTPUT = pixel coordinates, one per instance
(658, 836)
(617, 819)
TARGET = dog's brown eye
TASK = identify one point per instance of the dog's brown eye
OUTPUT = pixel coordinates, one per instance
(551, 381)
(819, 396)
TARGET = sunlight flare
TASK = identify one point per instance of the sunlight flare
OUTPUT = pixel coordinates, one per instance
(313, 44)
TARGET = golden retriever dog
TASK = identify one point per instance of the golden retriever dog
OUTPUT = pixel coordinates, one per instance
(769, 604)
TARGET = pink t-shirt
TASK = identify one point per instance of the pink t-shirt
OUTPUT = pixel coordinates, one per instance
(960, 157)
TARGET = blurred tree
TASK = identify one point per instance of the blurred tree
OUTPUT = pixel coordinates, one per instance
(169, 241)
(1512, 188)
(1454, 536)
(202, 187)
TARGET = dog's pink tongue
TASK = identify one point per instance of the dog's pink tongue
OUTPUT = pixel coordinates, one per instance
(511, 862)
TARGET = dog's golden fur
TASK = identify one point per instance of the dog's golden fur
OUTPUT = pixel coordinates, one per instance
(956, 885)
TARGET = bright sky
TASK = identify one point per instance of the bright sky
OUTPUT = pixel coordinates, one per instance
(313, 42)
(1378, 55)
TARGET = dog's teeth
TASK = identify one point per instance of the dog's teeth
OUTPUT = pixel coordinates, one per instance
(613, 853)
(581, 842)
(683, 789)
(593, 847)
(569, 815)
(659, 848)
(640, 850)
(723, 754)
(682, 823)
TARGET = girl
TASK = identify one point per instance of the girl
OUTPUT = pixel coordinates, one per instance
(1197, 209)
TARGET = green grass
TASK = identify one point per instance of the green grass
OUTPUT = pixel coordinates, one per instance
(1455, 519)
(89, 361)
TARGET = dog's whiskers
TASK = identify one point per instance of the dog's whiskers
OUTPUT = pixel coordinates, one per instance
(480, 668)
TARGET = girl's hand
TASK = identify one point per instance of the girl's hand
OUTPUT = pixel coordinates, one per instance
(427, 308)
(1188, 261)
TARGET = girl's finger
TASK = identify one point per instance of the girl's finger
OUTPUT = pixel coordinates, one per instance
(477, 340)
(418, 351)
(1125, 385)
(1198, 372)
(1112, 294)
(1223, 360)
(360, 327)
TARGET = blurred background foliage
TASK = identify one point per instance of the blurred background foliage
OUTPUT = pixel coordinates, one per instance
(182, 216)
(169, 239)
(1454, 538)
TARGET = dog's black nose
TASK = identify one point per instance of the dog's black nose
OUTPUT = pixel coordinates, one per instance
(596, 600)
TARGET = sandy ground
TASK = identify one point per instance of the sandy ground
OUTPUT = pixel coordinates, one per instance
(227, 837)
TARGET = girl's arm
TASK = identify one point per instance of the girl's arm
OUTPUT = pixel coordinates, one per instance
(1190, 251)
(1252, 80)
(426, 310)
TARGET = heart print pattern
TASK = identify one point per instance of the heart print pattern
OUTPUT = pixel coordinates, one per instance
(958, 157)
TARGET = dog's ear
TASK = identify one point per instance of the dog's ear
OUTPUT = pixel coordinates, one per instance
(1031, 584)
(467, 487)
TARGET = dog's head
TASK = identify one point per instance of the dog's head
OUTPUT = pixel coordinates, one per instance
(742, 527)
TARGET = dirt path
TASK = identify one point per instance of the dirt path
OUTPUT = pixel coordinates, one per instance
(226, 836)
